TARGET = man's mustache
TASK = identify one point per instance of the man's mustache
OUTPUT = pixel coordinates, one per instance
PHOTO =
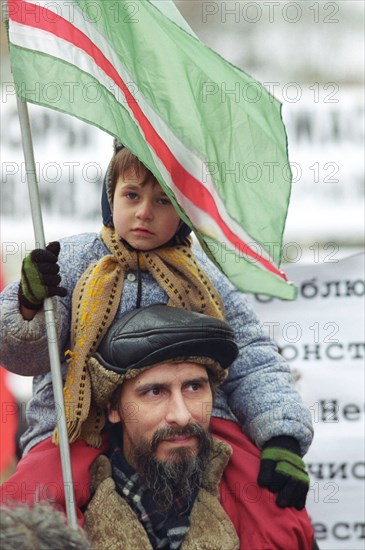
(193, 430)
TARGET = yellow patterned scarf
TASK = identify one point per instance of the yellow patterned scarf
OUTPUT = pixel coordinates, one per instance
(95, 302)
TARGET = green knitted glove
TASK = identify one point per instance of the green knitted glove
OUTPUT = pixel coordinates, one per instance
(282, 471)
(40, 278)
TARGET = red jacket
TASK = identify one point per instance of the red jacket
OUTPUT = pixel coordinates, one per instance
(259, 522)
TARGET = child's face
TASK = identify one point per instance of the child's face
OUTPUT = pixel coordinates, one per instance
(142, 213)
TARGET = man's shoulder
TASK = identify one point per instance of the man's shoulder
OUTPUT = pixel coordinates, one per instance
(110, 522)
(219, 456)
(100, 470)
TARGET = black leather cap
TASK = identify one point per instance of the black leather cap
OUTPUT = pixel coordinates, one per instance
(157, 333)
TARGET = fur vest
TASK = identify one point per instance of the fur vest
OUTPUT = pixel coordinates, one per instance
(112, 525)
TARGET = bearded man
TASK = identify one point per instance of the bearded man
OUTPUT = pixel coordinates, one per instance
(158, 486)
(166, 482)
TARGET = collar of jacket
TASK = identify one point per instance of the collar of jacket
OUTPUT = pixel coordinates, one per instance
(111, 524)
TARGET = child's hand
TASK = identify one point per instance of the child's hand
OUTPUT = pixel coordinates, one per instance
(40, 278)
(282, 471)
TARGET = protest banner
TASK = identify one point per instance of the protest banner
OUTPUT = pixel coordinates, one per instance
(321, 335)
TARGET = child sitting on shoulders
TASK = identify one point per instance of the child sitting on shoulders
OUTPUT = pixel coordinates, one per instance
(142, 256)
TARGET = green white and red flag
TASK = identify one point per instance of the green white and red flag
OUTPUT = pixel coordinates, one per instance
(212, 135)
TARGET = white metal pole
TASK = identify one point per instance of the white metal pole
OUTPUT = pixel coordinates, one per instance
(49, 315)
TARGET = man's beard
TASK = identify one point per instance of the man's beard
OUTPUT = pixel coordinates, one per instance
(180, 474)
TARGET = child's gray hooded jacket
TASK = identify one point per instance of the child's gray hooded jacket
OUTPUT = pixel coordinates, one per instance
(258, 392)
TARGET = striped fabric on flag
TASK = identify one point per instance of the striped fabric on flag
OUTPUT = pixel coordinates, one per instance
(212, 135)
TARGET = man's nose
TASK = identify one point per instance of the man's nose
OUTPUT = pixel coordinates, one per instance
(177, 412)
(145, 211)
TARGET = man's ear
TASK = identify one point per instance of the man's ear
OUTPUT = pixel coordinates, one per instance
(113, 415)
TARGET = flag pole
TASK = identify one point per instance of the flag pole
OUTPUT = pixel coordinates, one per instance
(49, 315)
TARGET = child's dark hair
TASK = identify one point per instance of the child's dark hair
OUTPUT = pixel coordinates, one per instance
(123, 162)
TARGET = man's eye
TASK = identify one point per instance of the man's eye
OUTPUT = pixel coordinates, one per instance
(154, 391)
(194, 387)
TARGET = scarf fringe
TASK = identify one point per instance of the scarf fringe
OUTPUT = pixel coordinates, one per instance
(93, 440)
